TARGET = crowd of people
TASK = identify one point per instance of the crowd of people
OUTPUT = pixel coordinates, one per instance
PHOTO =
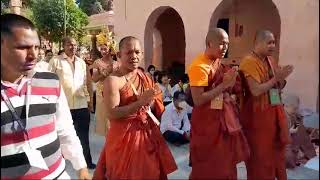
(227, 114)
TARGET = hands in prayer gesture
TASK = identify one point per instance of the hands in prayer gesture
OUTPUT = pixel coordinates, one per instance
(148, 96)
(229, 78)
(282, 73)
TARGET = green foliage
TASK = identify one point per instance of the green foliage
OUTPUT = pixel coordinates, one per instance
(86, 6)
(49, 18)
(5, 6)
(91, 7)
(97, 8)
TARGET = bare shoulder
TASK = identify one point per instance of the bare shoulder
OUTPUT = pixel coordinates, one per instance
(115, 81)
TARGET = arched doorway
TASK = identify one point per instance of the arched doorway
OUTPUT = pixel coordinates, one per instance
(164, 40)
(241, 19)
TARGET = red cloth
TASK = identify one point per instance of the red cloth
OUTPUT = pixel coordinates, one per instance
(265, 126)
(217, 142)
(135, 148)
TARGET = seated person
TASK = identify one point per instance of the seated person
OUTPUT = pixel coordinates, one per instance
(164, 85)
(301, 149)
(181, 85)
(175, 125)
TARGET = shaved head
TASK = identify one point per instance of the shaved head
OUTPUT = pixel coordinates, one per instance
(262, 35)
(126, 39)
(217, 43)
(264, 43)
(130, 53)
(215, 35)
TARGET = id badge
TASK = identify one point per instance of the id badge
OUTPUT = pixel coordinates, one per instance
(274, 96)
(35, 158)
(217, 102)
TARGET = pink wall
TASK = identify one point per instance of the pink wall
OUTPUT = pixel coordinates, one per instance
(299, 40)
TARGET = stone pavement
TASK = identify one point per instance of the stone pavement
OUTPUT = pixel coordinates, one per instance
(181, 155)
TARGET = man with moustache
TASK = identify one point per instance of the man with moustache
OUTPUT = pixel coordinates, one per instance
(37, 133)
(72, 72)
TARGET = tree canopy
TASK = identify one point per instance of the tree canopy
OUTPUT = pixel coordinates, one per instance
(49, 18)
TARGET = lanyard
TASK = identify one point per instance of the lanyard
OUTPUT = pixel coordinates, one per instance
(151, 115)
(14, 112)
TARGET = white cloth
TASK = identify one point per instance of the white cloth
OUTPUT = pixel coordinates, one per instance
(313, 163)
(69, 141)
(171, 120)
(73, 77)
(166, 93)
(42, 66)
(176, 88)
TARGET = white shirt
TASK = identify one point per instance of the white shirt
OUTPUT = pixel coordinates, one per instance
(70, 145)
(166, 93)
(73, 77)
(42, 66)
(176, 88)
(171, 120)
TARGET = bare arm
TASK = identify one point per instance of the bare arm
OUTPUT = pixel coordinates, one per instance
(112, 99)
(200, 97)
(96, 75)
(257, 89)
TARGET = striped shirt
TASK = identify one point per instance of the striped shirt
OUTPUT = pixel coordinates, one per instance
(49, 126)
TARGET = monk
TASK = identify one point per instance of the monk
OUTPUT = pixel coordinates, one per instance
(217, 142)
(262, 115)
(135, 148)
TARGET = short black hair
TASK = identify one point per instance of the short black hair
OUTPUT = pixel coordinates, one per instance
(161, 75)
(125, 39)
(8, 21)
(150, 67)
(60, 51)
(48, 51)
(178, 94)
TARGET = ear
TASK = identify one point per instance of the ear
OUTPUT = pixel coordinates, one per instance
(118, 54)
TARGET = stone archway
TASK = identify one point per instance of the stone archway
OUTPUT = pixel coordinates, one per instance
(245, 17)
(164, 39)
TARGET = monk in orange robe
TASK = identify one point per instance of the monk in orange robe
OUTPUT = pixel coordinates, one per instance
(134, 148)
(217, 143)
(262, 115)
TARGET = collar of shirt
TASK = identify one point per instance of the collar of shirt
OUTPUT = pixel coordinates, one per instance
(16, 85)
(173, 108)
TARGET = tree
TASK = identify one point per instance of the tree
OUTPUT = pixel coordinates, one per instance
(5, 6)
(49, 18)
(97, 8)
(91, 7)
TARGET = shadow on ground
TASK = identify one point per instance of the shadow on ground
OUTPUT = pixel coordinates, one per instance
(181, 155)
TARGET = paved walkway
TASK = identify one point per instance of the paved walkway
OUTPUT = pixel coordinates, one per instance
(181, 155)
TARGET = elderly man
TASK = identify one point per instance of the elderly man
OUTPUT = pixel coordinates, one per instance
(217, 142)
(73, 73)
(135, 148)
(262, 114)
(36, 127)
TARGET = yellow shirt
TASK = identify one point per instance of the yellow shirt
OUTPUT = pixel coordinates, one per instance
(73, 77)
(199, 70)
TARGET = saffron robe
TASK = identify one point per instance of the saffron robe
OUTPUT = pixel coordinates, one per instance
(264, 125)
(135, 148)
(217, 143)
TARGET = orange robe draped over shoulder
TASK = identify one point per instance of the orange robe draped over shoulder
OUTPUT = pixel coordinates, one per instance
(264, 125)
(217, 142)
(135, 148)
